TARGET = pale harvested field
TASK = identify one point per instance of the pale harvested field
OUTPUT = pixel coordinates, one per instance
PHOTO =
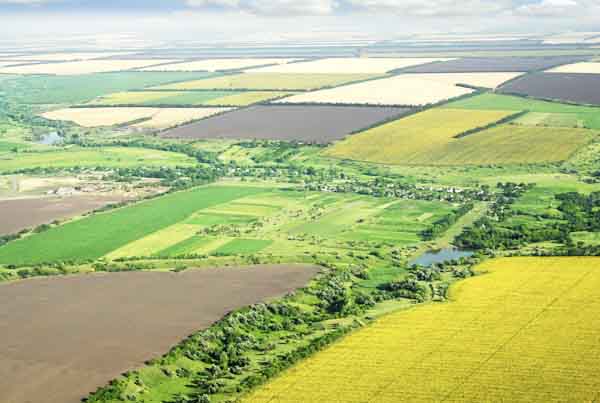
(582, 68)
(81, 67)
(348, 65)
(168, 117)
(57, 57)
(218, 64)
(157, 117)
(64, 337)
(406, 89)
(485, 80)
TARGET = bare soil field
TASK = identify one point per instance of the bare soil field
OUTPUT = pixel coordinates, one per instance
(64, 337)
(20, 214)
(311, 124)
(492, 64)
(575, 87)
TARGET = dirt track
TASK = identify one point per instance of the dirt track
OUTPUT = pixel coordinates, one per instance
(19, 214)
(64, 337)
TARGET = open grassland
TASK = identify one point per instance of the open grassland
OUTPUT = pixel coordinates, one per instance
(153, 118)
(347, 65)
(270, 81)
(97, 235)
(82, 88)
(414, 139)
(542, 113)
(193, 98)
(219, 64)
(125, 315)
(81, 67)
(404, 89)
(584, 68)
(521, 332)
(109, 157)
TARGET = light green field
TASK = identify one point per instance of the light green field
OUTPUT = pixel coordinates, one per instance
(243, 247)
(187, 98)
(109, 157)
(269, 81)
(100, 234)
(541, 111)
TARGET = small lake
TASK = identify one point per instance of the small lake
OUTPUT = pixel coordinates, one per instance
(439, 256)
(50, 139)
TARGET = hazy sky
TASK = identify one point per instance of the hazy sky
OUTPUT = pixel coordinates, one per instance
(210, 19)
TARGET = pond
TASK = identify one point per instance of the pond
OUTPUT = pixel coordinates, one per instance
(439, 256)
(50, 139)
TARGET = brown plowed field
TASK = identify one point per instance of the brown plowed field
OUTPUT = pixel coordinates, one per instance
(310, 124)
(20, 214)
(64, 337)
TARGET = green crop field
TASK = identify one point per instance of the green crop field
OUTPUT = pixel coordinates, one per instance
(97, 235)
(523, 331)
(542, 112)
(78, 89)
(416, 140)
(109, 157)
(185, 98)
(243, 247)
(269, 81)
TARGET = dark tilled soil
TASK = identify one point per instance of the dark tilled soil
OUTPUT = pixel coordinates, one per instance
(310, 124)
(63, 337)
(491, 64)
(20, 214)
(570, 87)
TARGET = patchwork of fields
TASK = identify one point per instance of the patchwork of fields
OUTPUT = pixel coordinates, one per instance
(193, 98)
(533, 313)
(155, 118)
(270, 81)
(220, 64)
(81, 67)
(347, 65)
(310, 124)
(232, 220)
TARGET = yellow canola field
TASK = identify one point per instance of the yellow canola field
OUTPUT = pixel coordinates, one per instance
(525, 331)
(413, 139)
(157, 117)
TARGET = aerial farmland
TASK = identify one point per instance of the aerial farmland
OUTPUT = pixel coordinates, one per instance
(261, 202)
